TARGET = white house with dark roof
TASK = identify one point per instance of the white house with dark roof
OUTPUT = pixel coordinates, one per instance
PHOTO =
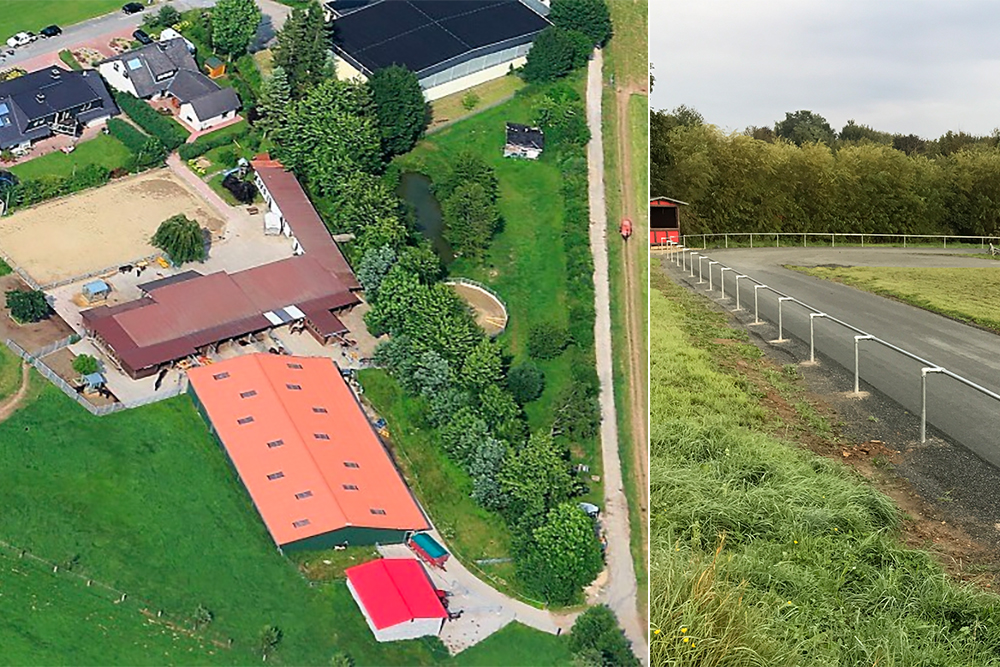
(168, 70)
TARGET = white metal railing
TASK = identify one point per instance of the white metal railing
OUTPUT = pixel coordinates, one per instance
(927, 367)
(764, 239)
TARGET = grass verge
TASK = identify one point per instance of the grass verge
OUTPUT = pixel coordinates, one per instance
(964, 294)
(765, 553)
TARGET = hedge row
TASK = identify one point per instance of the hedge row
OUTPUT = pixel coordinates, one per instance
(146, 151)
(33, 191)
(216, 139)
(170, 134)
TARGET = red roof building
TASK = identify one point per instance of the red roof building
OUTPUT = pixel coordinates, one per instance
(397, 597)
(304, 449)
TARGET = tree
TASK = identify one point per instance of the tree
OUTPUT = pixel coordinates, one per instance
(421, 260)
(268, 640)
(431, 374)
(854, 132)
(470, 220)
(302, 47)
(331, 134)
(591, 17)
(535, 478)
(468, 167)
(234, 24)
(484, 467)
(556, 53)
(596, 631)
(908, 143)
(561, 114)
(362, 200)
(563, 555)
(275, 100)
(181, 239)
(482, 367)
(375, 264)
(502, 413)
(804, 127)
(84, 364)
(402, 112)
(462, 435)
(546, 340)
(526, 382)
(167, 16)
(28, 306)
(578, 412)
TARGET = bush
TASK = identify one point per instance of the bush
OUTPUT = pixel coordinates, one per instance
(546, 341)
(591, 17)
(470, 101)
(28, 306)
(85, 364)
(34, 191)
(181, 239)
(596, 630)
(170, 134)
(526, 382)
(224, 137)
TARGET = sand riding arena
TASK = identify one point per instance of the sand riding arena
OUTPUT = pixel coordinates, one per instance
(75, 236)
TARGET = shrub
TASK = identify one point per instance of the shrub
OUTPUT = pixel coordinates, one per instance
(85, 364)
(28, 306)
(470, 101)
(596, 630)
(546, 340)
(556, 53)
(170, 134)
(224, 137)
(526, 382)
(146, 151)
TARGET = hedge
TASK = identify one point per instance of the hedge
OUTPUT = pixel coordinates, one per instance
(203, 144)
(170, 134)
(145, 150)
(33, 191)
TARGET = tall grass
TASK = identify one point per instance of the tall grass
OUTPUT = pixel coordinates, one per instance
(763, 553)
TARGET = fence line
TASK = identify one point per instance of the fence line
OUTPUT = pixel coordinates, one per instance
(485, 288)
(99, 272)
(833, 236)
(679, 259)
(106, 591)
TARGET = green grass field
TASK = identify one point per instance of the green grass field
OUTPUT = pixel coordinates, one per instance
(450, 109)
(103, 149)
(10, 372)
(625, 60)
(33, 15)
(964, 294)
(764, 553)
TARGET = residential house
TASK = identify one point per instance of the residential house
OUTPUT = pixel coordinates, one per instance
(168, 70)
(51, 101)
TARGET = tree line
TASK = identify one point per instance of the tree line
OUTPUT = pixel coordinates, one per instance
(802, 176)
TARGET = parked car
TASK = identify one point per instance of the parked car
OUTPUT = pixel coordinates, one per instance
(21, 39)
(133, 8)
(50, 31)
(141, 37)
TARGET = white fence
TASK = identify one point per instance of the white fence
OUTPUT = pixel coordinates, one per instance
(804, 239)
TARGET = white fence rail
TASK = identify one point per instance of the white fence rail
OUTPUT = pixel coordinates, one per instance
(684, 258)
(803, 239)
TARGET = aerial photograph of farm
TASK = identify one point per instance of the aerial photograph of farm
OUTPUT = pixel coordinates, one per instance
(322, 336)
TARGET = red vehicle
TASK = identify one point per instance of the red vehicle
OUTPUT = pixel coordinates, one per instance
(626, 228)
(428, 549)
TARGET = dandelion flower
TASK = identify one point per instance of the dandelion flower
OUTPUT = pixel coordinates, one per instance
(692, 645)
(789, 602)
(687, 639)
(796, 541)
(656, 632)
(684, 629)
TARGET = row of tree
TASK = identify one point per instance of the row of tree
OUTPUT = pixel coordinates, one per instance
(577, 27)
(739, 183)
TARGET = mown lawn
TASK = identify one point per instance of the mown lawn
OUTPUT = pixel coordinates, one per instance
(33, 15)
(964, 294)
(764, 553)
(517, 645)
(145, 501)
(10, 372)
(103, 150)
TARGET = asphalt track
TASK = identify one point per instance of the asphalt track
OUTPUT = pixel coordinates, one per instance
(958, 412)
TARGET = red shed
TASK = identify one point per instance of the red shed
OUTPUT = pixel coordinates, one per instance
(664, 220)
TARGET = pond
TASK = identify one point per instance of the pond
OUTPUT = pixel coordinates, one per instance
(415, 190)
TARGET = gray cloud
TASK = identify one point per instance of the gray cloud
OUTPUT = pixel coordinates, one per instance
(901, 66)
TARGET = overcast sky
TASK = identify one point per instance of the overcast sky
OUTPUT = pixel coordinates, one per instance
(896, 65)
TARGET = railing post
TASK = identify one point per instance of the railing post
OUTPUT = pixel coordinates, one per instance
(727, 241)
(722, 279)
(923, 399)
(738, 276)
(857, 377)
(812, 345)
(700, 258)
(751, 240)
(781, 332)
(756, 319)
(693, 255)
(833, 240)
(710, 286)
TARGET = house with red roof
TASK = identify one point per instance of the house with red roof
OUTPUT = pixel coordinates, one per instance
(397, 598)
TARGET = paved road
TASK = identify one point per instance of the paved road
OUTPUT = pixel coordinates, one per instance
(961, 413)
(620, 592)
(115, 22)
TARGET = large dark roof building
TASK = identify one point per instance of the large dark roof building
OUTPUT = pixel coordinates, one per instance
(442, 41)
(35, 105)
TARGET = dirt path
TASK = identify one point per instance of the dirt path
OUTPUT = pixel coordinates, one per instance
(633, 253)
(620, 593)
(8, 407)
